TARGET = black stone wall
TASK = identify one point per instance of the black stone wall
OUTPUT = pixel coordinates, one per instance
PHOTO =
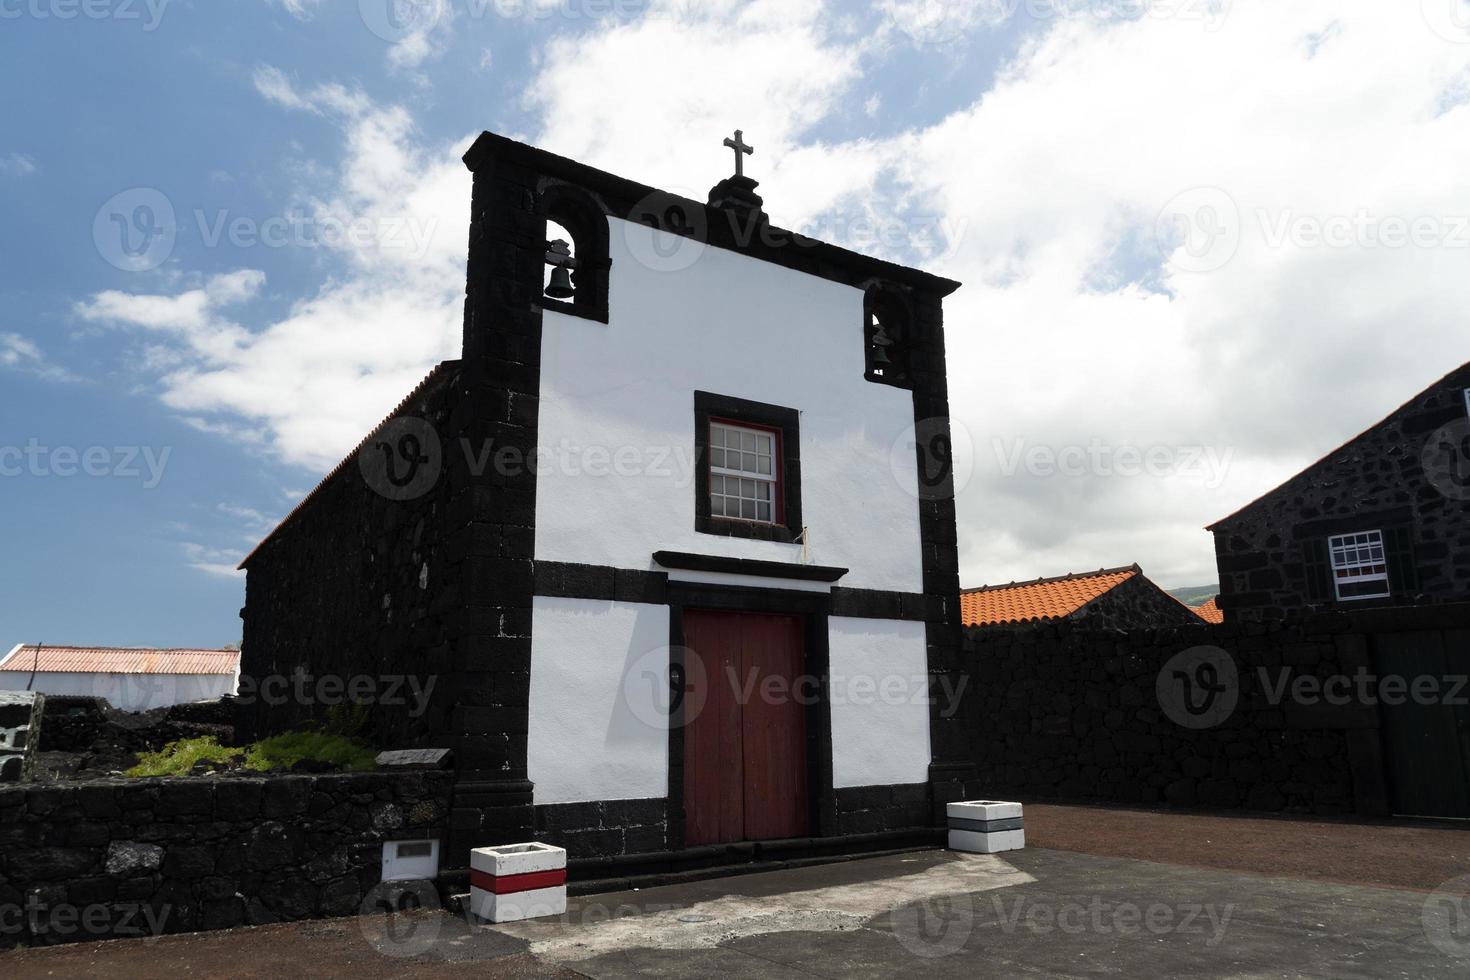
(357, 584)
(1071, 714)
(609, 828)
(1270, 554)
(89, 861)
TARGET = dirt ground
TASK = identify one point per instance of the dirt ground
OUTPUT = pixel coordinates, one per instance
(1419, 855)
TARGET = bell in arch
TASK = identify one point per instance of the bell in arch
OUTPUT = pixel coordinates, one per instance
(559, 257)
(560, 286)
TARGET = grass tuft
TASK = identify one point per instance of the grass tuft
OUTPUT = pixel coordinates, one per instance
(285, 750)
(279, 752)
(178, 758)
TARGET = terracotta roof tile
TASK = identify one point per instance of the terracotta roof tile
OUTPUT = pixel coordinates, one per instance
(1210, 611)
(1038, 601)
(115, 660)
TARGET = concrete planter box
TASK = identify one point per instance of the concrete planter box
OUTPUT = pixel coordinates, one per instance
(985, 827)
(518, 881)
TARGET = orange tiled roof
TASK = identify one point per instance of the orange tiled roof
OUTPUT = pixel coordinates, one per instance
(115, 660)
(1210, 611)
(1041, 600)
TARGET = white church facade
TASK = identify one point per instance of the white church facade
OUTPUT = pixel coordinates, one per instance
(675, 535)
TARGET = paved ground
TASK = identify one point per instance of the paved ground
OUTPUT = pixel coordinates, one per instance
(1232, 904)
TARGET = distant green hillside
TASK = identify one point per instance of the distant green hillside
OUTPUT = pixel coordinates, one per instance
(1195, 595)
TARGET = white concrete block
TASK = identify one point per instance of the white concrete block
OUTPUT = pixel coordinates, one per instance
(533, 904)
(974, 842)
(517, 859)
(518, 881)
(983, 810)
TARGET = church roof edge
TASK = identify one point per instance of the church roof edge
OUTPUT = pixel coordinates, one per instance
(618, 191)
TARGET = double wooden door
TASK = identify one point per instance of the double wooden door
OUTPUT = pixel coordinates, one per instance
(745, 747)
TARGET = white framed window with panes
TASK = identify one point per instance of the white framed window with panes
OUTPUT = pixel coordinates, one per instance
(1359, 565)
(744, 472)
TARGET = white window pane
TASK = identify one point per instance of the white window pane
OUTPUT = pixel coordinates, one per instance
(747, 509)
(764, 511)
(747, 441)
(765, 465)
(717, 456)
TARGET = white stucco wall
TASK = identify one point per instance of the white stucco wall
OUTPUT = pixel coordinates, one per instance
(617, 413)
(880, 710)
(126, 692)
(599, 695)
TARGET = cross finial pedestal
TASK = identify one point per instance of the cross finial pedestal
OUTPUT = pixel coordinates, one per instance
(737, 193)
(741, 151)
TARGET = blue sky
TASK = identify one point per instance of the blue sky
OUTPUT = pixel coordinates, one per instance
(1024, 148)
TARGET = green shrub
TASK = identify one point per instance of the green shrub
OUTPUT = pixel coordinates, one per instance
(179, 758)
(274, 753)
(285, 750)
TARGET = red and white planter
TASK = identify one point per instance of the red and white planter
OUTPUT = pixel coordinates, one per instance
(518, 881)
(985, 827)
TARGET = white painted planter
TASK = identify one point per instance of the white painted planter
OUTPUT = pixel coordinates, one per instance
(985, 827)
(518, 881)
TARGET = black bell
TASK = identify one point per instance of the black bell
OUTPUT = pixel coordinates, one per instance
(560, 286)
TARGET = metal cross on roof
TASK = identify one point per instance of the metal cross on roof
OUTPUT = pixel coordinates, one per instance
(741, 151)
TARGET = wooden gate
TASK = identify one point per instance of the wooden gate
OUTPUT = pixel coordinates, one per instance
(1426, 740)
(745, 769)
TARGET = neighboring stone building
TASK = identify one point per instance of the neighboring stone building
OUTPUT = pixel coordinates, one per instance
(682, 448)
(1381, 520)
(1114, 598)
(1210, 611)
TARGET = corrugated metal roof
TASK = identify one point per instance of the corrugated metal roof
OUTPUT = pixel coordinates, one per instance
(1038, 601)
(118, 660)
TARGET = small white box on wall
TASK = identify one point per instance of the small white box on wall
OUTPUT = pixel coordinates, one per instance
(985, 827)
(411, 860)
(518, 881)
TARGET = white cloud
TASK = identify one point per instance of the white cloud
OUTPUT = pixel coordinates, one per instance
(928, 22)
(308, 385)
(652, 99)
(19, 354)
(273, 83)
(248, 517)
(17, 165)
(221, 562)
(300, 9)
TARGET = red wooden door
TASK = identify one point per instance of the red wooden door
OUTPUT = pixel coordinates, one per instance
(745, 774)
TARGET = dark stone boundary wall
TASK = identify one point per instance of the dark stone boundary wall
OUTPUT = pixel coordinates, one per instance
(196, 854)
(1070, 714)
